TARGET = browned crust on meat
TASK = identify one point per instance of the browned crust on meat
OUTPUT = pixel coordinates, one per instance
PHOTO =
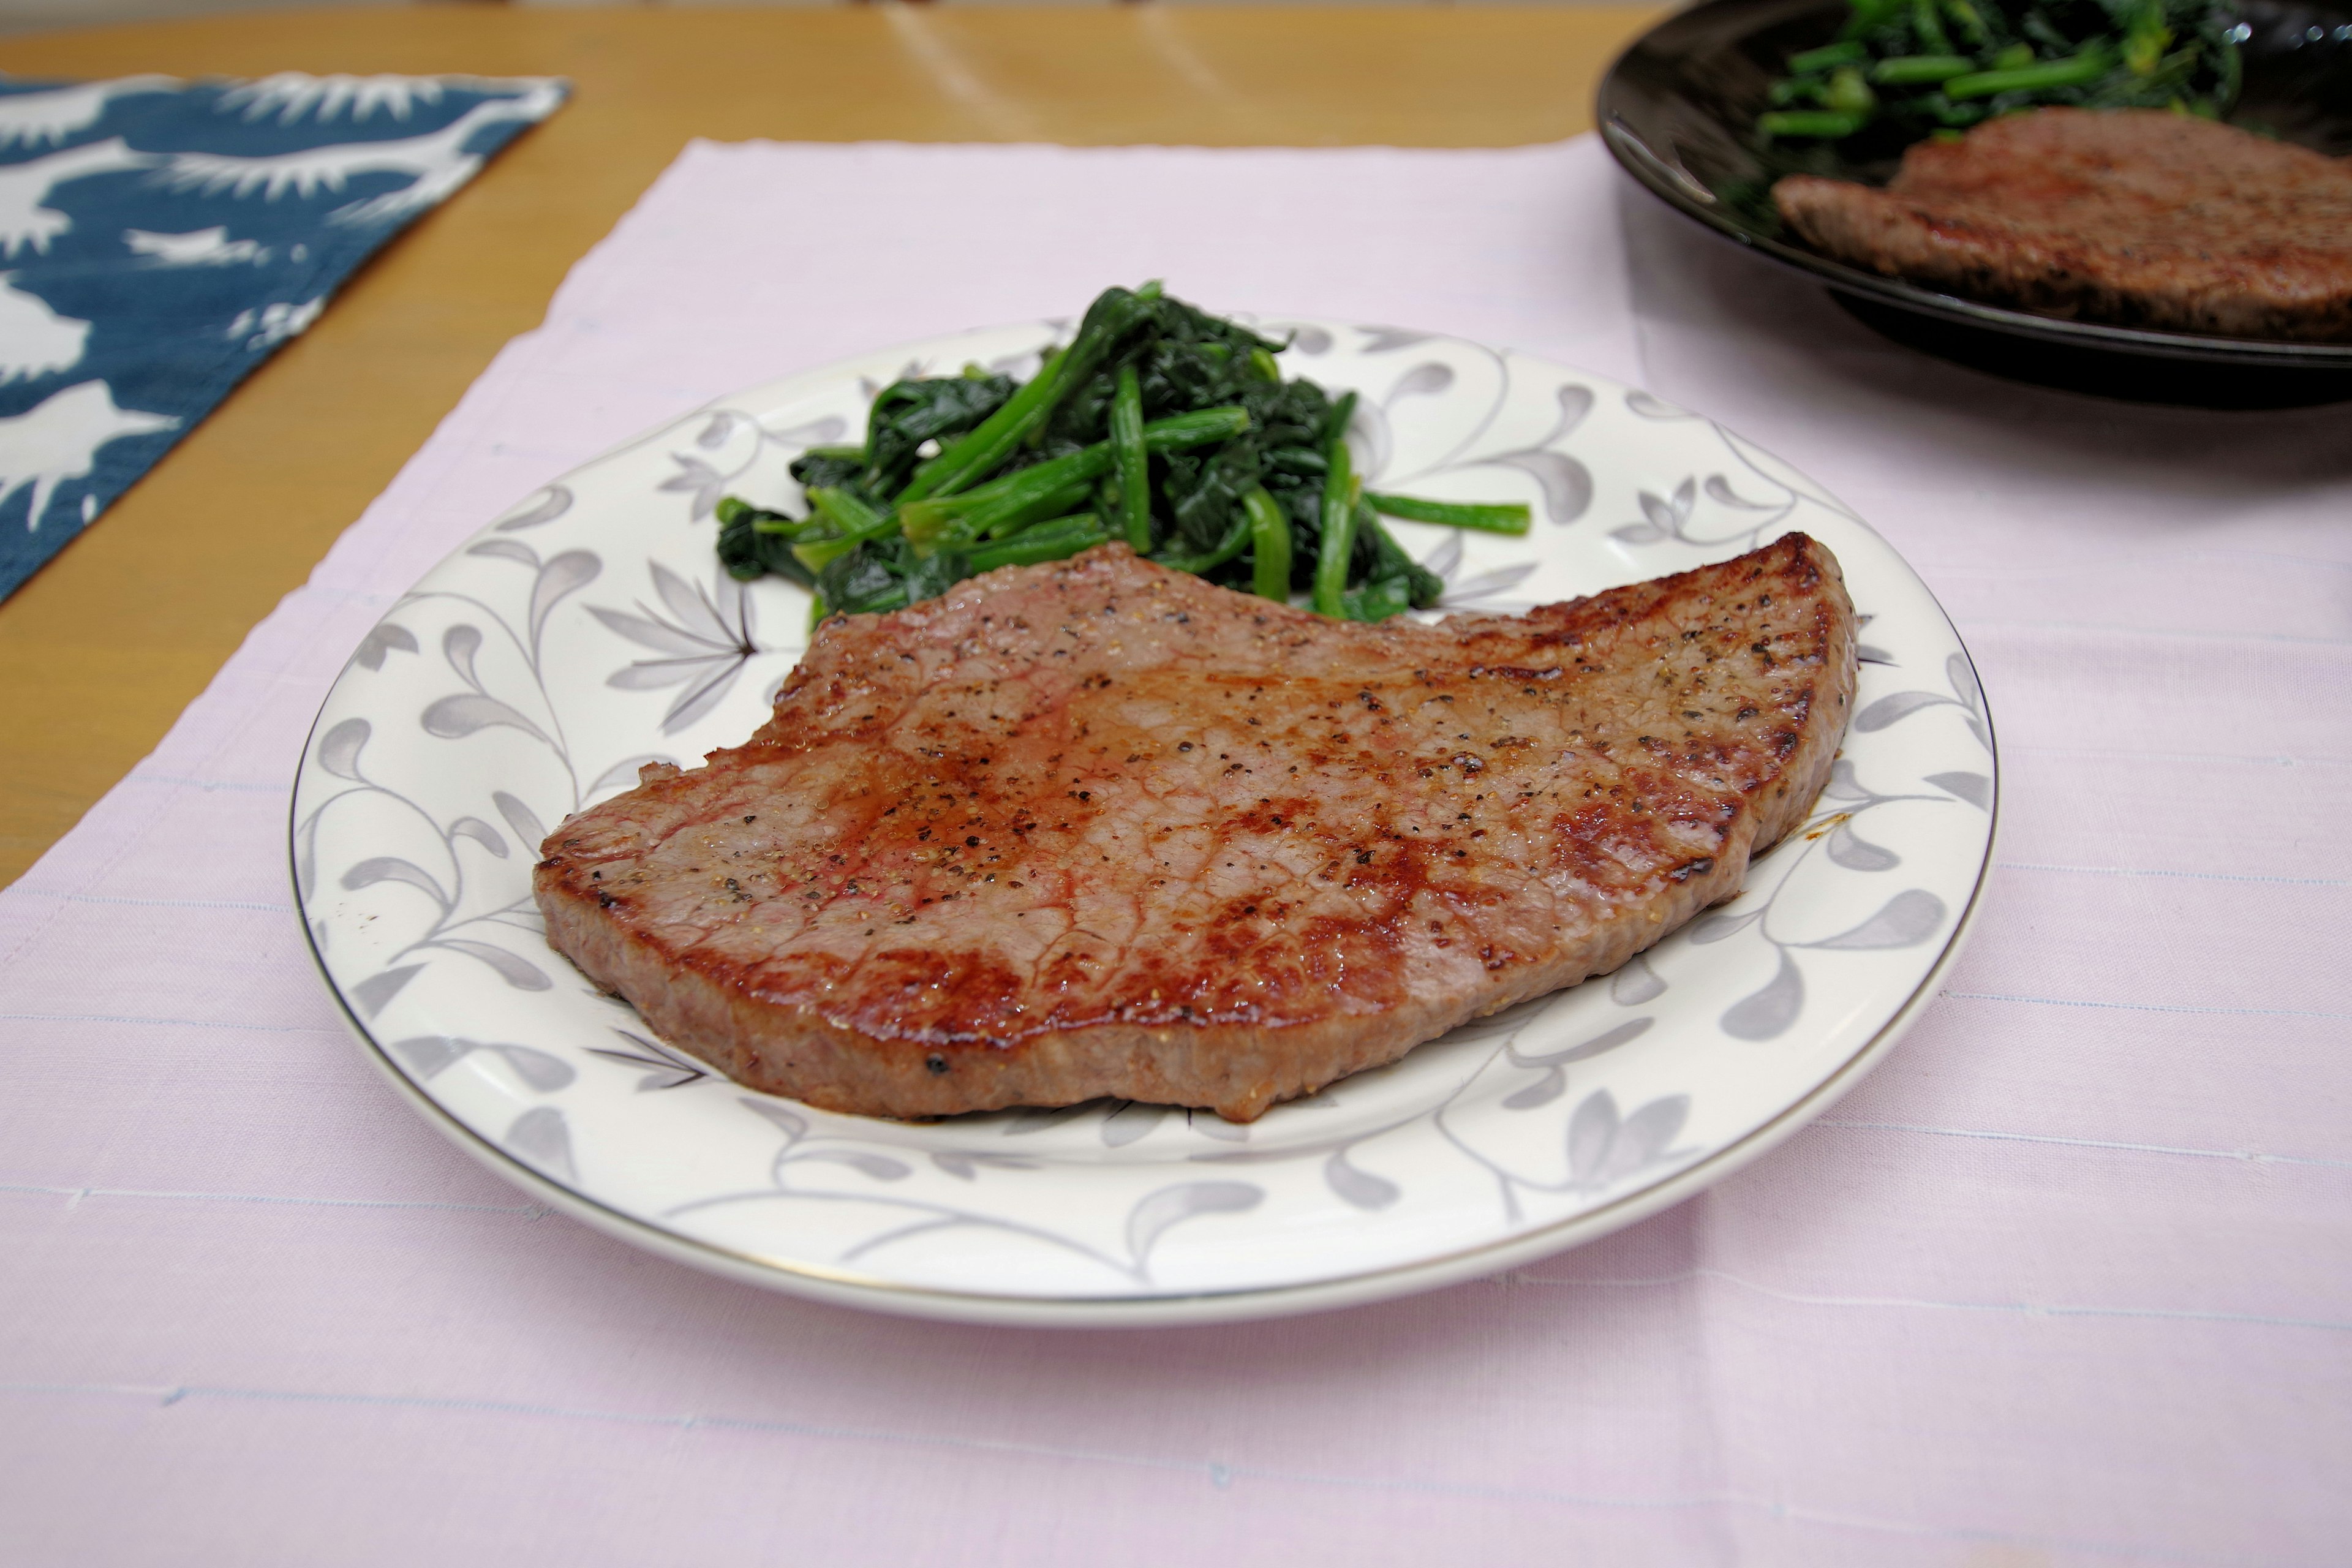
(2138, 217)
(1099, 828)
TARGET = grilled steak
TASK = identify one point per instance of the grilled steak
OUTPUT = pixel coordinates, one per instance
(2136, 216)
(1098, 827)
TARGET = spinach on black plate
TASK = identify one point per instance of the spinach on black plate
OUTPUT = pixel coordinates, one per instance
(1903, 70)
(1158, 423)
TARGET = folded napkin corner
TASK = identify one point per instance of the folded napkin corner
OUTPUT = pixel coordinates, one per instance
(159, 238)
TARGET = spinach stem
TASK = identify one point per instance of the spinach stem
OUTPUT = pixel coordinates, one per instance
(1237, 538)
(942, 520)
(1905, 69)
(1487, 517)
(1063, 502)
(1269, 545)
(1818, 123)
(2088, 66)
(1338, 543)
(1805, 62)
(1134, 464)
(858, 524)
(1052, 541)
(992, 440)
(846, 513)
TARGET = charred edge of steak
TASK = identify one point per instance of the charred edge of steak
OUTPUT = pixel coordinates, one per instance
(1238, 1071)
(1186, 1048)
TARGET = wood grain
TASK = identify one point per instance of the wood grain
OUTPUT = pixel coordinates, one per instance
(106, 644)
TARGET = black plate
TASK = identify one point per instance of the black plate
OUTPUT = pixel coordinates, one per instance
(1676, 108)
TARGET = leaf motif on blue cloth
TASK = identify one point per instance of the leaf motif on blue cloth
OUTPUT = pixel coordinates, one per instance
(57, 114)
(266, 327)
(58, 439)
(25, 216)
(197, 248)
(140, 216)
(290, 95)
(435, 163)
(35, 341)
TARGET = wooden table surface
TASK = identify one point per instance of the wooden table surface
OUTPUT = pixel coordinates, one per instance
(235, 516)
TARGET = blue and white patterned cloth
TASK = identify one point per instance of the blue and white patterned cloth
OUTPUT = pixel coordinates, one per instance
(160, 237)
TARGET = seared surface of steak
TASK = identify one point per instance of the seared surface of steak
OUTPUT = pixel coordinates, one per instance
(1096, 828)
(2136, 216)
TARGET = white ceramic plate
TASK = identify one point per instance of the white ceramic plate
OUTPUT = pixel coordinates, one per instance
(589, 630)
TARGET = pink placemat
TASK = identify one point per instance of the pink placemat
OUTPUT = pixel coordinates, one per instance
(2069, 1279)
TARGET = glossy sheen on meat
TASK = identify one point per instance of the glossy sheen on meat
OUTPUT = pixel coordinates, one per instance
(2136, 216)
(1098, 827)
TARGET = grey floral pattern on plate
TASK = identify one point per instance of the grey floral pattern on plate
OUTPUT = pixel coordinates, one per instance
(588, 632)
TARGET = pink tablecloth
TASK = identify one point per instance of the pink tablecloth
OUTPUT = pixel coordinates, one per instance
(2068, 1280)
